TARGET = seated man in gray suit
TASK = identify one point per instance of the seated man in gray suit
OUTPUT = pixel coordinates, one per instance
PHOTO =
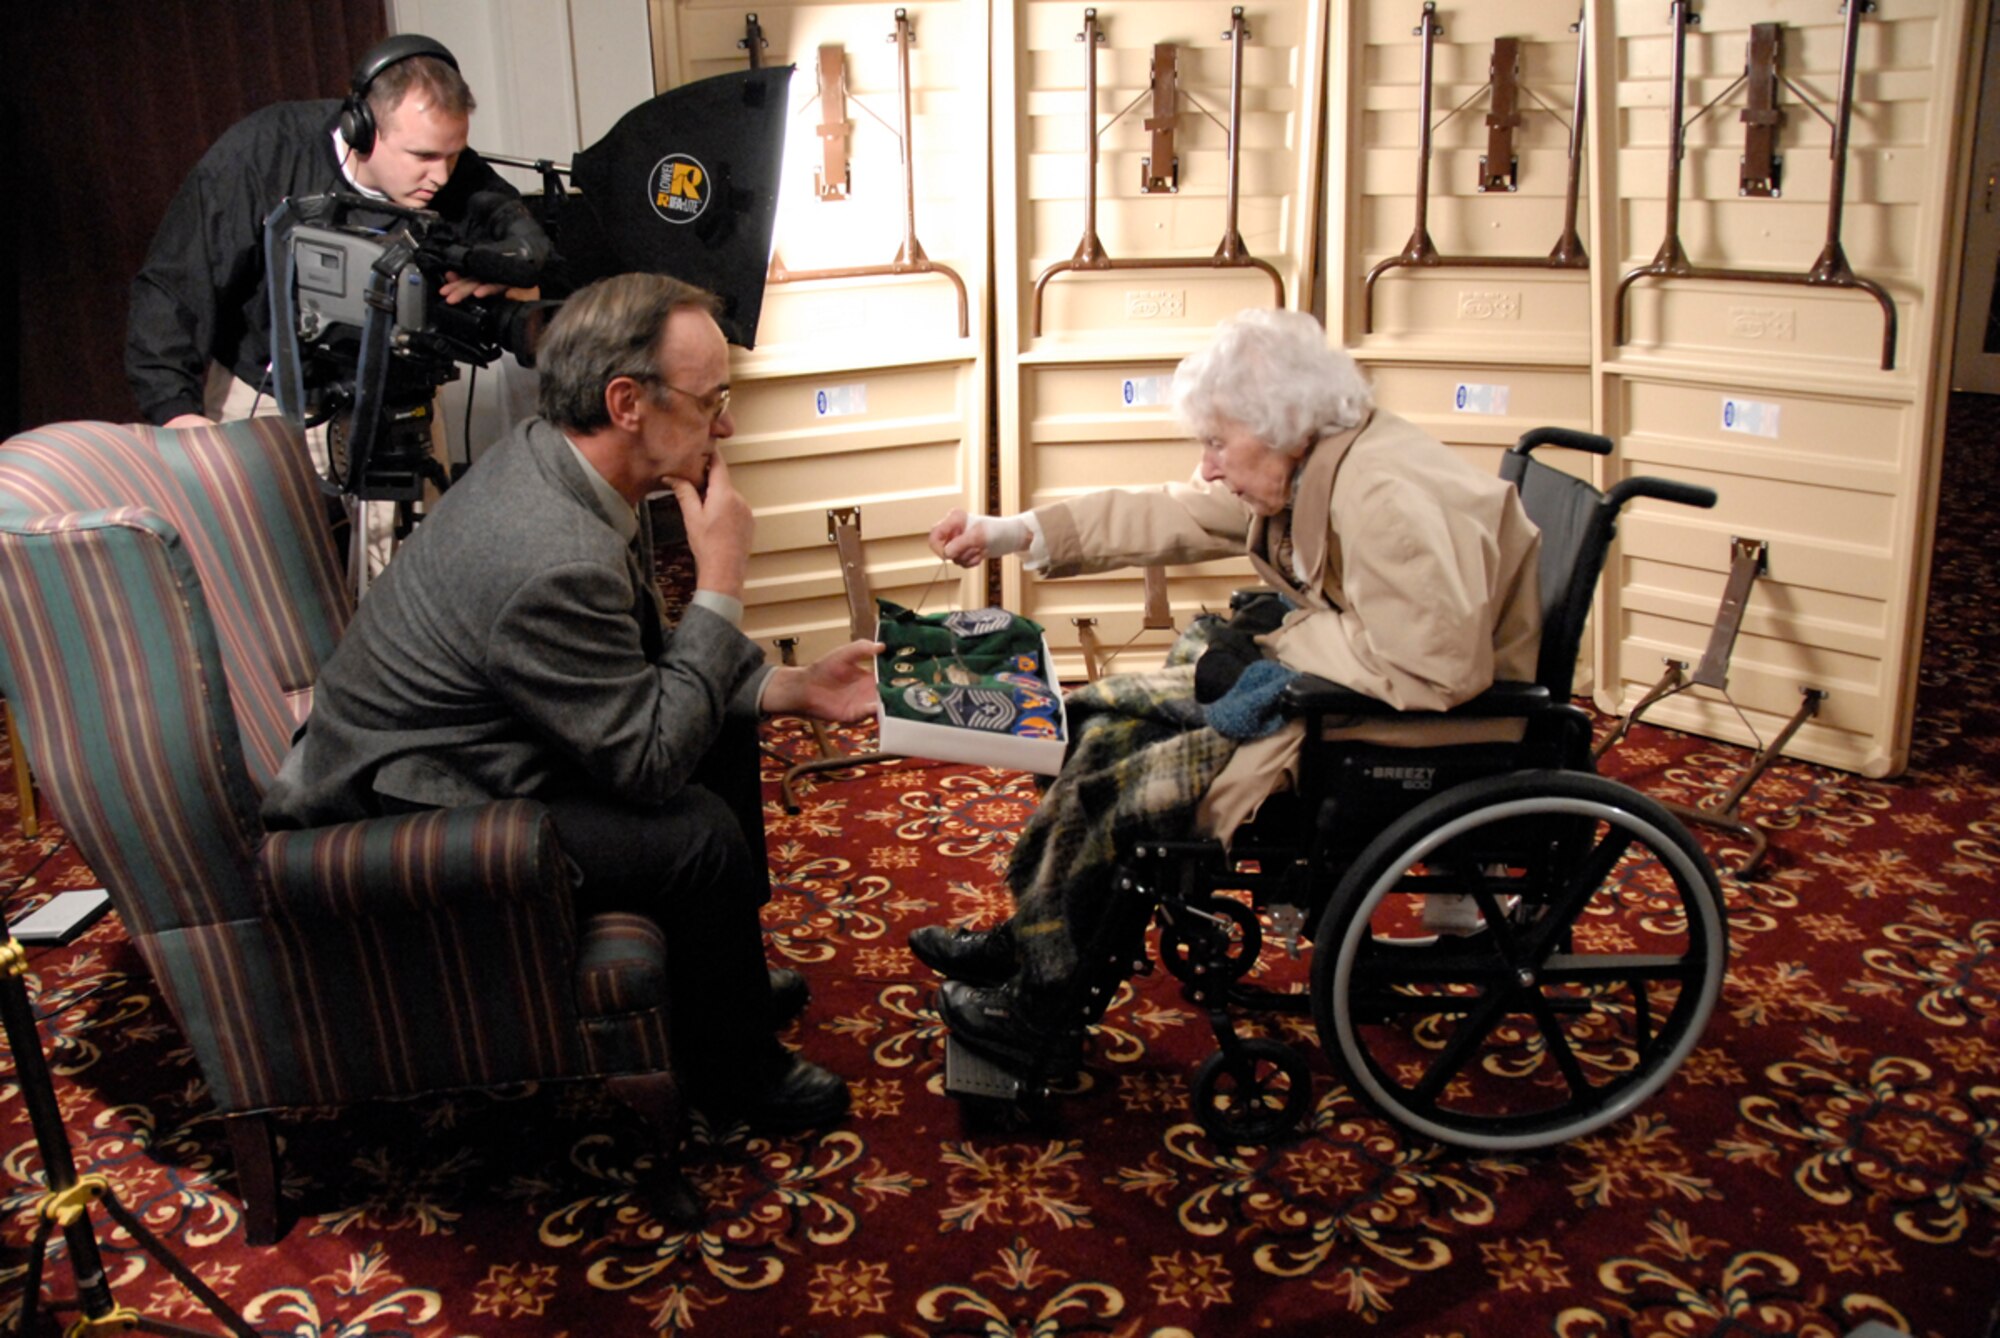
(515, 648)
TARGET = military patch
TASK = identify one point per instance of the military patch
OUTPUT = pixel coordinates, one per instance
(979, 708)
(978, 622)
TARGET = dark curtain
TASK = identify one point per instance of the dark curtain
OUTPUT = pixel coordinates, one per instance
(108, 104)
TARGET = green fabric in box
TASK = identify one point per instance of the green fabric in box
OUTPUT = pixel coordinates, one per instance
(978, 669)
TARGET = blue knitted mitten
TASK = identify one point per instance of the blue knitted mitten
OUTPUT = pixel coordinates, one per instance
(1249, 710)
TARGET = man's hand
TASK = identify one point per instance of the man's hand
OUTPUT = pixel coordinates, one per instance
(838, 686)
(181, 420)
(719, 526)
(456, 288)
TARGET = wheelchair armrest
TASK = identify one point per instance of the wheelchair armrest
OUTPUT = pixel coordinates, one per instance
(1310, 695)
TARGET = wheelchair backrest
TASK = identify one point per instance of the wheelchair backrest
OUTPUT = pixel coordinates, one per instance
(1578, 524)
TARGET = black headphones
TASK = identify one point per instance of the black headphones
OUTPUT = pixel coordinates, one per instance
(357, 119)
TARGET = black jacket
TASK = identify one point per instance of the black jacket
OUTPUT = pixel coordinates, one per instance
(201, 292)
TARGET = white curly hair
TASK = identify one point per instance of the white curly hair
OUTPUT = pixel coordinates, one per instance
(1273, 372)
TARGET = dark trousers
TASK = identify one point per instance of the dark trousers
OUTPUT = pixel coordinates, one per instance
(697, 867)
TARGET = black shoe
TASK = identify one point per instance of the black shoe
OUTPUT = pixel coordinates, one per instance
(976, 956)
(801, 1095)
(996, 1022)
(789, 993)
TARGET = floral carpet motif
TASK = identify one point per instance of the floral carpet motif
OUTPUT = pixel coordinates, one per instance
(1828, 1155)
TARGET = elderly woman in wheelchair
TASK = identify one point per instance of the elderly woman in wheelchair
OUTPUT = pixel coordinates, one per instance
(1508, 949)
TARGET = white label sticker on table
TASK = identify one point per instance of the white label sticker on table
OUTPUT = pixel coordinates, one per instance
(1479, 399)
(1144, 392)
(834, 401)
(1751, 417)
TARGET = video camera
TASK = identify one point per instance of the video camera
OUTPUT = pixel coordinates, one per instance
(685, 184)
(374, 337)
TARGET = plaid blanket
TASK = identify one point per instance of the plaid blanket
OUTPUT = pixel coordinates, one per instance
(1141, 757)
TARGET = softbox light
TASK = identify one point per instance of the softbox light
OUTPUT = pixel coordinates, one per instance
(686, 184)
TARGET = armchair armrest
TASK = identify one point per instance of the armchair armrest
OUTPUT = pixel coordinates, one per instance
(455, 861)
(1311, 695)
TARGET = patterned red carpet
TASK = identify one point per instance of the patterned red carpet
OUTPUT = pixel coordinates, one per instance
(1829, 1155)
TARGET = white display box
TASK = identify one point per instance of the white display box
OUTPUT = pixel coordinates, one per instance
(977, 747)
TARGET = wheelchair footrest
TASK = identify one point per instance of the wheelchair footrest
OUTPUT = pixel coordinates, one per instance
(970, 1073)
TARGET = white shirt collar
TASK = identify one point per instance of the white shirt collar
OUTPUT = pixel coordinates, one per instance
(624, 516)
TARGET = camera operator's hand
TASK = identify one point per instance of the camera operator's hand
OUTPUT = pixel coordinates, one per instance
(838, 686)
(456, 288)
(181, 420)
(719, 527)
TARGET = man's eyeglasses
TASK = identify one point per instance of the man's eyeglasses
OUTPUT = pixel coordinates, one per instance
(714, 404)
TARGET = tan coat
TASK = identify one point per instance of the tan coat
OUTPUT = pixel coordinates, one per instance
(1420, 587)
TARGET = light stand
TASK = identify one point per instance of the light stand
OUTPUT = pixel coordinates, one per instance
(70, 1196)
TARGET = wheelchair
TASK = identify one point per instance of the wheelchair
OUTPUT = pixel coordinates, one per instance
(1600, 946)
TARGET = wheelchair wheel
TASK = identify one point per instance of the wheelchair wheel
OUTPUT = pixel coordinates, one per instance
(1600, 958)
(1256, 1096)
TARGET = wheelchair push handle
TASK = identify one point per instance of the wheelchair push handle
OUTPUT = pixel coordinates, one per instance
(1666, 490)
(1568, 438)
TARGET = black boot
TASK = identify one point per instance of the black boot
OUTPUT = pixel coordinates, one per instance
(789, 996)
(774, 1090)
(976, 956)
(1006, 1023)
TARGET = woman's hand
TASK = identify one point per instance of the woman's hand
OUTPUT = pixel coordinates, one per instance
(970, 540)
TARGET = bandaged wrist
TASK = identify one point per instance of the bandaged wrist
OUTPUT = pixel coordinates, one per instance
(1004, 534)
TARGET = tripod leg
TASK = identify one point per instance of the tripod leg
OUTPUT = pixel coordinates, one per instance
(184, 1275)
(31, 1297)
(70, 1197)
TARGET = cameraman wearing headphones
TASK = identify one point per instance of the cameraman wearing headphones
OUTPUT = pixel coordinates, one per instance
(202, 296)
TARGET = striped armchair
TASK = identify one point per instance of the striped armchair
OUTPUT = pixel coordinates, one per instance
(166, 599)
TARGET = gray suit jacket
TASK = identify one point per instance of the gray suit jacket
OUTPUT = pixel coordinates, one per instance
(512, 649)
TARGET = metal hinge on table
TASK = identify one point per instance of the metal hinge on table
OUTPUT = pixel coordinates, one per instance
(1762, 164)
(834, 179)
(1160, 171)
(1499, 168)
